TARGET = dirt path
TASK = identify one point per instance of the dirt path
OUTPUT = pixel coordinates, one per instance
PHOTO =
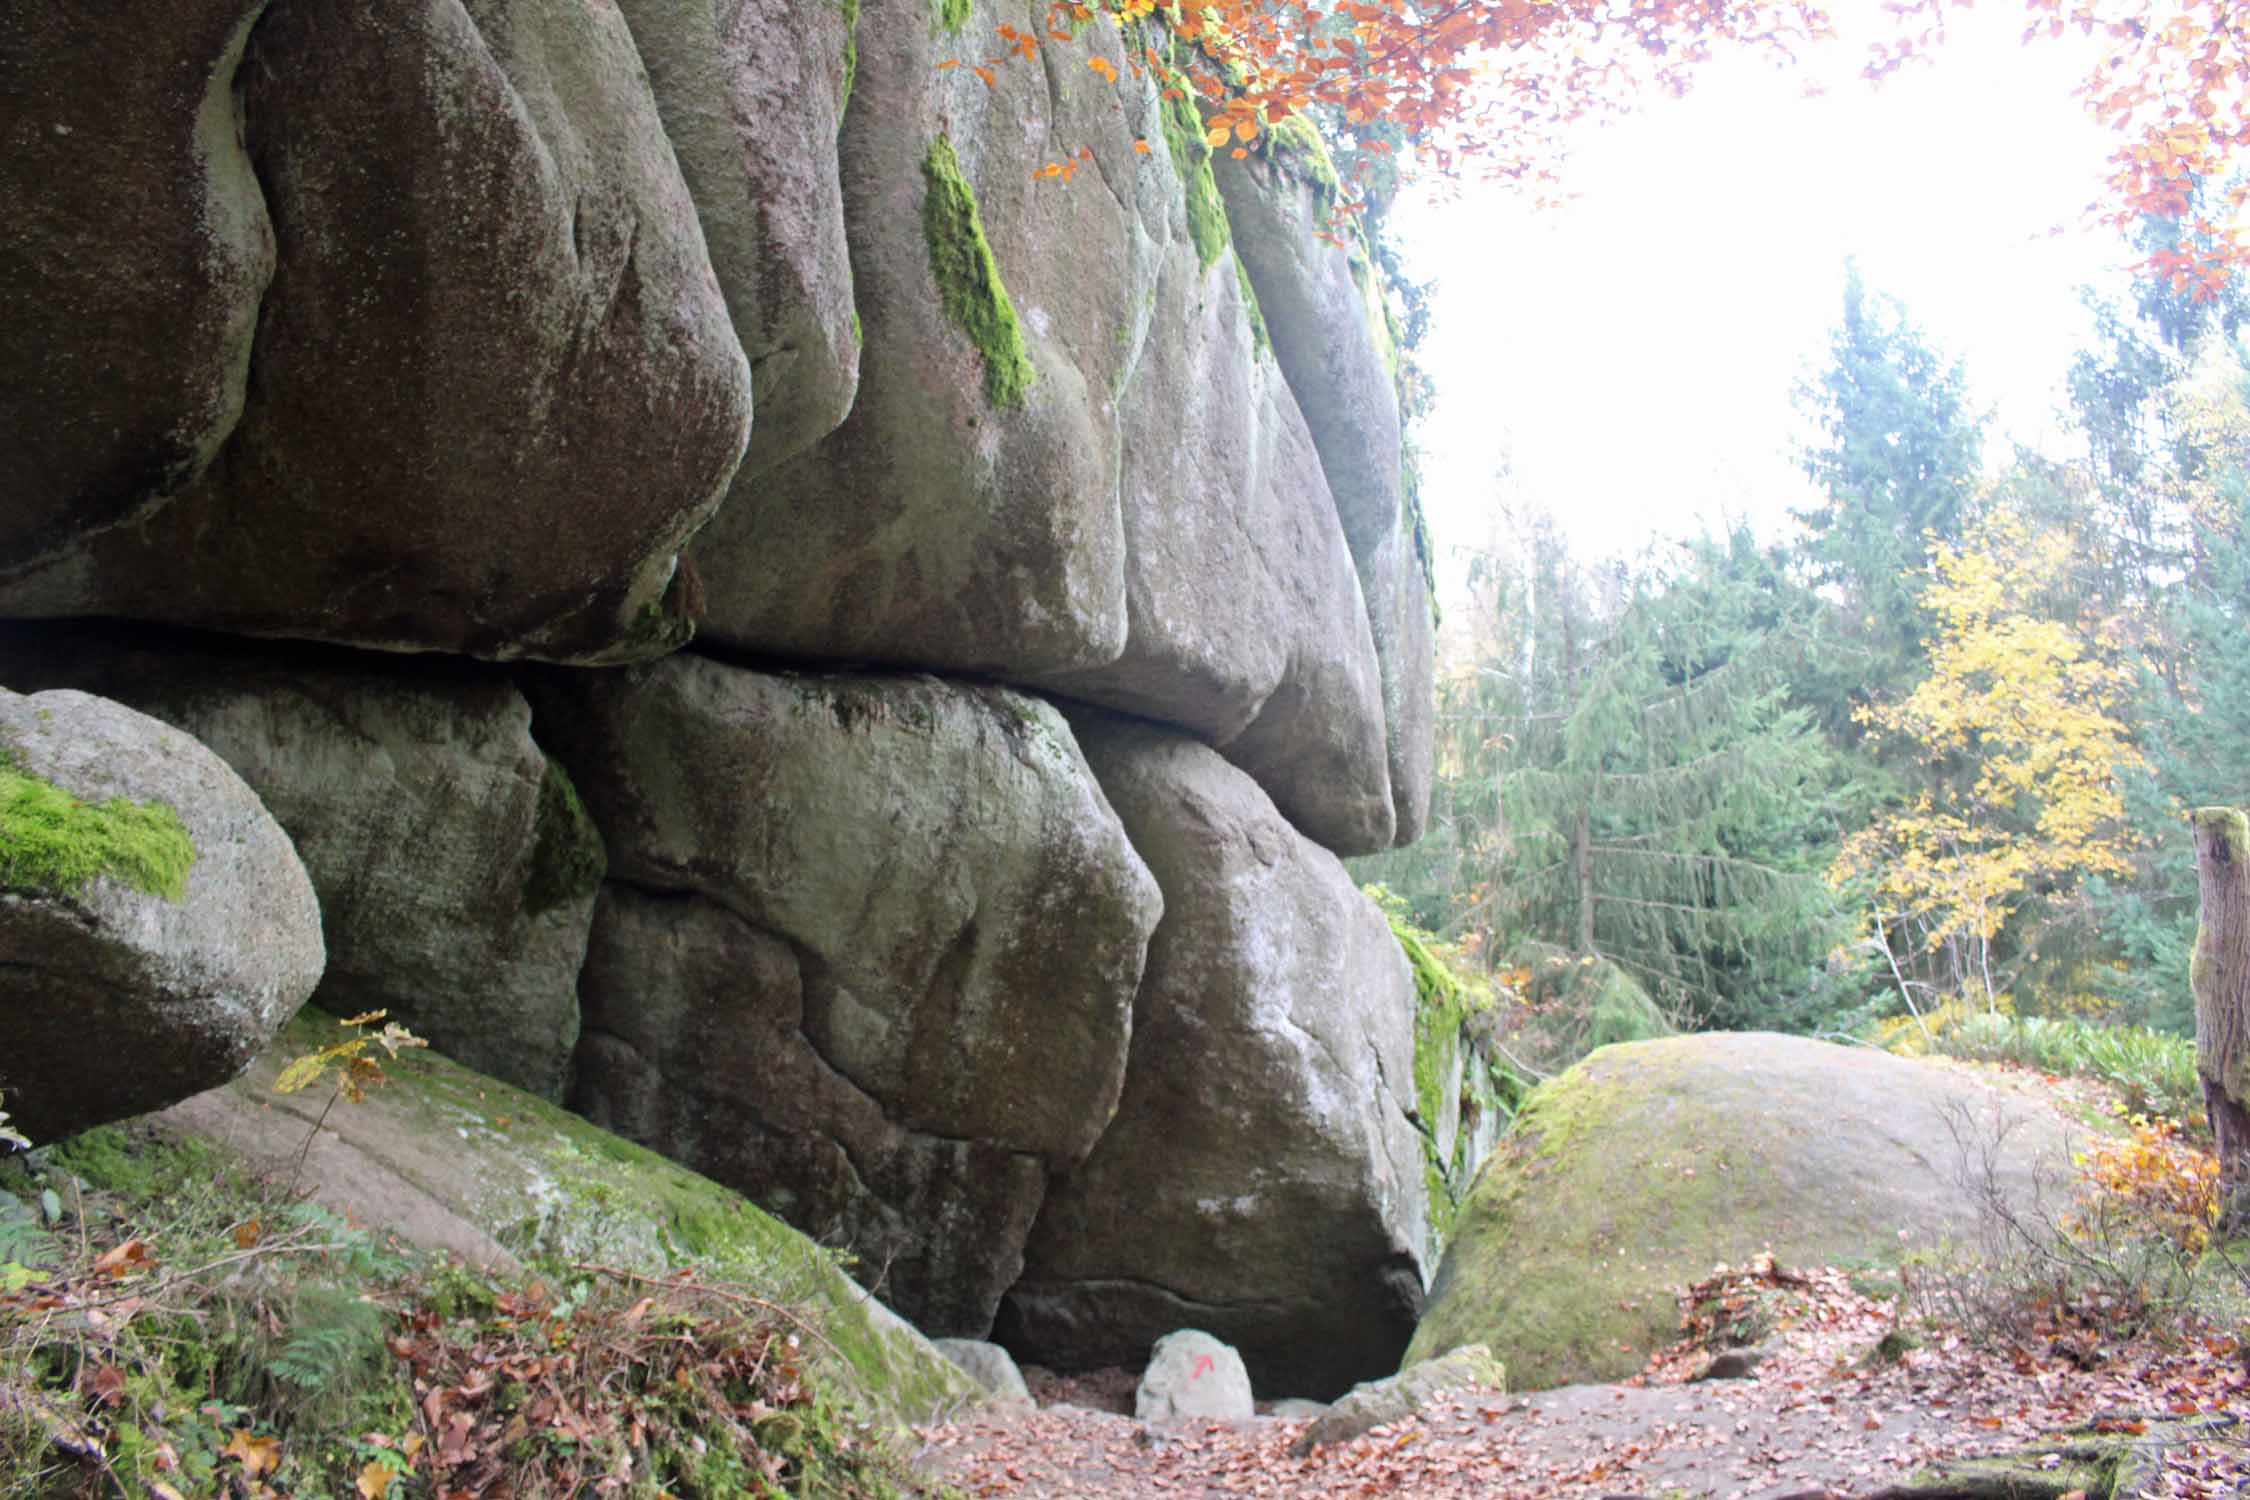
(1816, 1419)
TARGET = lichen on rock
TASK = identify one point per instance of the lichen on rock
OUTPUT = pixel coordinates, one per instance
(968, 278)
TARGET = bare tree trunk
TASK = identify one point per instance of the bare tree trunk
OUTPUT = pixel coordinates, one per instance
(1582, 831)
(2220, 977)
(1583, 838)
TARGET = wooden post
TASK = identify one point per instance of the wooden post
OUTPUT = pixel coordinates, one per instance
(2220, 977)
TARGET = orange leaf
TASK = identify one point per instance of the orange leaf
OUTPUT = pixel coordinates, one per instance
(985, 74)
(375, 1480)
(258, 1455)
(1141, 147)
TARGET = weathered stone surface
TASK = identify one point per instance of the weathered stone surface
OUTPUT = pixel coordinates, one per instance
(1191, 1376)
(1708, 1149)
(1324, 310)
(752, 93)
(450, 1160)
(1398, 612)
(1326, 324)
(156, 929)
(872, 959)
(1261, 1179)
(1377, 1403)
(989, 1366)
(132, 258)
(495, 386)
(965, 516)
(1245, 620)
(455, 872)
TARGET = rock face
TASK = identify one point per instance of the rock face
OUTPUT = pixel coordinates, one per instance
(894, 1020)
(1332, 338)
(131, 261)
(1643, 1166)
(1269, 1089)
(422, 341)
(965, 516)
(496, 386)
(751, 93)
(454, 865)
(156, 929)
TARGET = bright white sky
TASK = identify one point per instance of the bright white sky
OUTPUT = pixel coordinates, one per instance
(1631, 356)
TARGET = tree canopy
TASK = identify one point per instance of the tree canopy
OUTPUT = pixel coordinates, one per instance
(1494, 85)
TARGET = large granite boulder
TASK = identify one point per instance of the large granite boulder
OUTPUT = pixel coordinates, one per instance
(156, 929)
(1325, 317)
(752, 93)
(1245, 622)
(1635, 1172)
(868, 954)
(454, 866)
(1262, 1179)
(1323, 305)
(965, 516)
(1404, 631)
(495, 387)
(132, 257)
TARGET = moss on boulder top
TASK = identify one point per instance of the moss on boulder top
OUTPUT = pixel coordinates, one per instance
(1635, 1172)
(453, 1161)
(54, 842)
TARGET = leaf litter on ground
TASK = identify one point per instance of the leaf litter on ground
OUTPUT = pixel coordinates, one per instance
(1821, 1415)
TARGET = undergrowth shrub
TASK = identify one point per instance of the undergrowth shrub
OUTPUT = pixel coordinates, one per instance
(2153, 1072)
(172, 1329)
(2120, 1248)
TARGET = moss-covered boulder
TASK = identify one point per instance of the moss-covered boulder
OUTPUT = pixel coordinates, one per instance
(456, 1162)
(455, 866)
(156, 927)
(1636, 1171)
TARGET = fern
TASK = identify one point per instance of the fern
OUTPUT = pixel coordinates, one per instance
(333, 1334)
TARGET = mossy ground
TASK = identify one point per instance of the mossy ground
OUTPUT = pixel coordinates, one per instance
(266, 1323)
(57, 843)
(968, 278)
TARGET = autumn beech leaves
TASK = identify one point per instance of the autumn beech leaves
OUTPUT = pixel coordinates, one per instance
(1493, 85)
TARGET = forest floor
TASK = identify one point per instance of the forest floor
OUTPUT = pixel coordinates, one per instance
(1820, 1417)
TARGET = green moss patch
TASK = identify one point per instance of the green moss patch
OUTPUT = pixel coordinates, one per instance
(968, 278)
(949, 16)
(568, 859)
(56, 843)
(1191, 158)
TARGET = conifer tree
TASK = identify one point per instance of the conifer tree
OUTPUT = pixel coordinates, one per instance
(1654, 798)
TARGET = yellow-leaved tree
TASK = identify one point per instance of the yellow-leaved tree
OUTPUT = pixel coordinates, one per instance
(2019, 750)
